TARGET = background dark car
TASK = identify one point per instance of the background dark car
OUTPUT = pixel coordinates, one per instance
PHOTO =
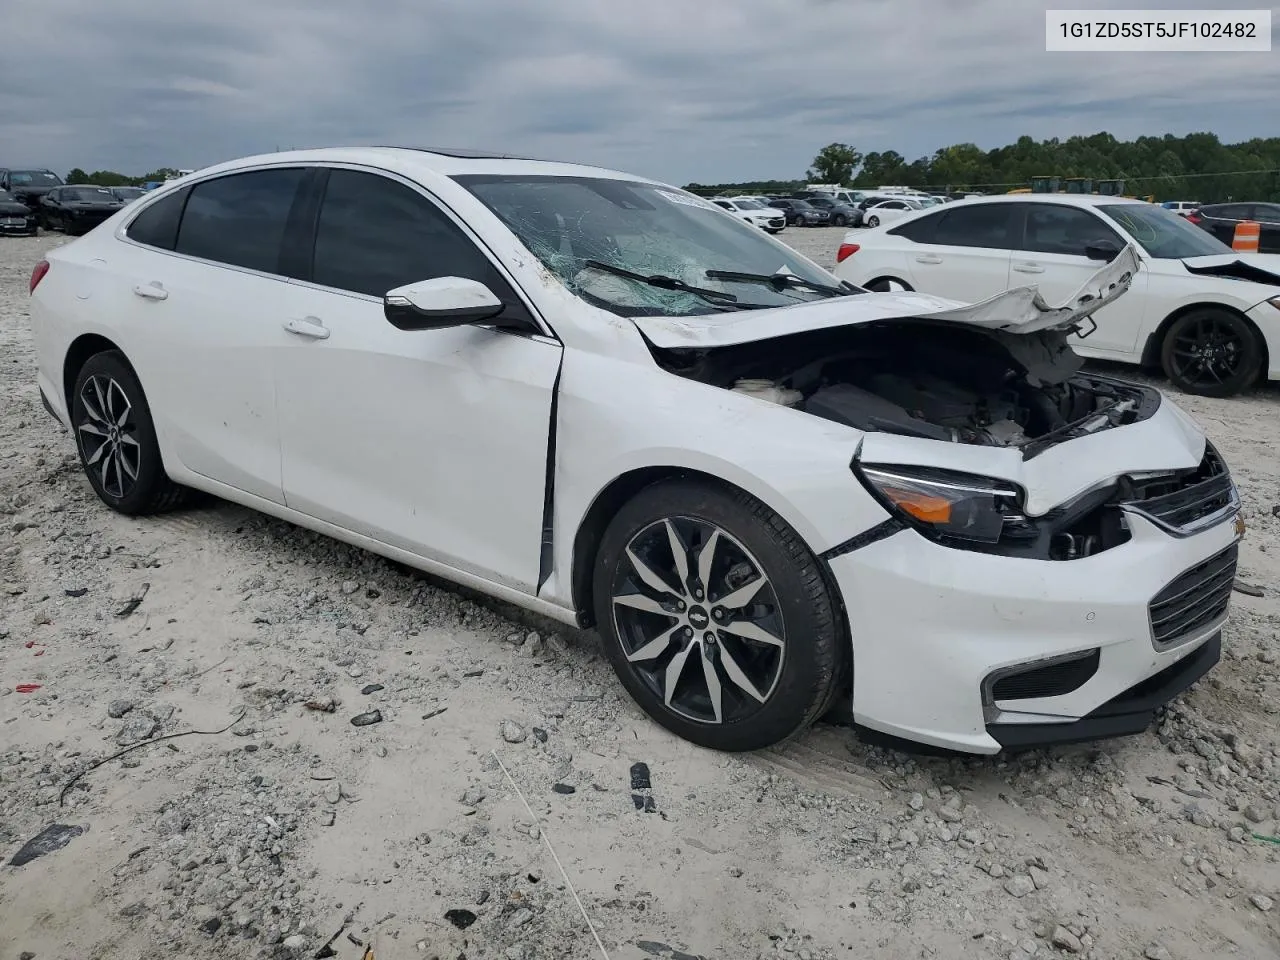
(802, 213)
(1220, 219)
(28, 186)
(127, 194)
(839, 213)
(16, 218)
(78, 209)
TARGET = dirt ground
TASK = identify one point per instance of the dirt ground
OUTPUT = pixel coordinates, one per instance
(412, 834)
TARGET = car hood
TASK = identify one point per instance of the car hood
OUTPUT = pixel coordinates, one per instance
(1019, 310)
(1263, 268)
(10, 209)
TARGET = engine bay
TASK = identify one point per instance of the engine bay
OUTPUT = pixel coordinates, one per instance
(936, 380)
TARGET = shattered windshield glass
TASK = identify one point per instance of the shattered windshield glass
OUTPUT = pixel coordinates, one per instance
(643, 229)
(1163, 234)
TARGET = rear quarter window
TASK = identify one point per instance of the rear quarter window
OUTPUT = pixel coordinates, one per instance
(157, 225)
(918, 230)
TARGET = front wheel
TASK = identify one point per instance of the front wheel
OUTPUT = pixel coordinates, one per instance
(873, 221)
(716, 617)
(116, 439)
(840, 220)
(1212, 353)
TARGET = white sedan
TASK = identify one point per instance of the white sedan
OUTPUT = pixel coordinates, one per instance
(753, 212)
(1209, 317)
(600, 398)
(887, 211)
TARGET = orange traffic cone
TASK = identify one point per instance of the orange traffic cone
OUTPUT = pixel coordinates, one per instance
(1246, 237)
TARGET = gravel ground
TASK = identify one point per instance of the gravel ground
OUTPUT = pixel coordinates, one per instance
(410, 834)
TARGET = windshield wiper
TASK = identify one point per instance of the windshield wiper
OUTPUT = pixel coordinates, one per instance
(781, 281)
(664, 282)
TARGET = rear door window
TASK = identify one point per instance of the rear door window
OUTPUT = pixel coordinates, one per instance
(157, 225)
(982, 225)
(1051, 228)
(240, 219)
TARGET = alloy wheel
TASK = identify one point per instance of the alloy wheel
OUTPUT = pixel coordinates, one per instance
(1208, 351)
(698, 620)
(108, 435)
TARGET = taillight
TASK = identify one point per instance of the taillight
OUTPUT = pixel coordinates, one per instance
(37, 274)
(846, 251)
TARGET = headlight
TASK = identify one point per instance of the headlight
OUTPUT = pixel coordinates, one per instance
(948, 504)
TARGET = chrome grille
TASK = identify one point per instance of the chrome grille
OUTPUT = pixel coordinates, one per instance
(1195, 601)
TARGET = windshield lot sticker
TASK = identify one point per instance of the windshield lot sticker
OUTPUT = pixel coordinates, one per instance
(687, 201)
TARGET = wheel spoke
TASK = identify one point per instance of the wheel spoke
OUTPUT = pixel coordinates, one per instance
(106, 466)
(680, 553)
(128, 439)
(97, 454)
(638, 601)
(90, 407)
(736, 674)
(674, 669)
(116, 459)
(129, 468)
(654, 647)
(646, 574)
(713, 685)
(750, 631)
(706, 558)
(103, 411)
(743, 595)
(94, 429)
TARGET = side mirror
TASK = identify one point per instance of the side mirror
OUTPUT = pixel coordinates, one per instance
(1103, 250)
(443, 302)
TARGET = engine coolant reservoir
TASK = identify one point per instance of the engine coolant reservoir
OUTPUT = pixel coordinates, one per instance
(768, 390)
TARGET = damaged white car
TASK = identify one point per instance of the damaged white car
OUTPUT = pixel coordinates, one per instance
(598, 397)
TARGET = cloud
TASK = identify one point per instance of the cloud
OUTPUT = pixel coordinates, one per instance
(711, 91)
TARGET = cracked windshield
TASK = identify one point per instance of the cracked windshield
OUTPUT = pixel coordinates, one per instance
(638, 249)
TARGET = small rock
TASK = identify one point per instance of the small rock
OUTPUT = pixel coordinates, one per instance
(1206, 868)
(295, 942)
(520, 918)
(473, 796)
(365, 719)
(1262, 902)
(323, 774)
(333, 792)
(1249, 589)
(1019, 886)
(512, 732)
(211, 926)
(328, 818)
(349, 587)
(371, 688)
(564, 788)
(1039, 877)
(460, 918)
(118, 708)
(1157, 952)
(1254, 813)
(735, 871)
(539, 734)
(137, 727)
(1064, 939)
(916, 802)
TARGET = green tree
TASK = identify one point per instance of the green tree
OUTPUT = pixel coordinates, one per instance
(835, 163)
(77, 176)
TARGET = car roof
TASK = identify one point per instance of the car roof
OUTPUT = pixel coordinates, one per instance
(1062, 199)
(440, 161)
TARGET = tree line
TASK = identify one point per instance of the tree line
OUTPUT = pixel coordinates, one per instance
(109, 178)
(1196, 167)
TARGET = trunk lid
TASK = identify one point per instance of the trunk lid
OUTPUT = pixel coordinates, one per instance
(1019, 310)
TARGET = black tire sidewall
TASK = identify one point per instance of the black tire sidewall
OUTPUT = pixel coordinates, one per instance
(151, 474)
(1244, 377)
(815, 644)
(873, 221)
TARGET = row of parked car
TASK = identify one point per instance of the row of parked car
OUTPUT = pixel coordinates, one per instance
(31, 199)
(1220, 219)
(811, 208)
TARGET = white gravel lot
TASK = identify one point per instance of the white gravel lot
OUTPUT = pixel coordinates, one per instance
(296, 825)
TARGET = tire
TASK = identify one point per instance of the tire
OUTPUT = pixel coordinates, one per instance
(885, 285)
(1211, 352)
(802, 663)
(839, 220)
(123, 464)
(873, 221)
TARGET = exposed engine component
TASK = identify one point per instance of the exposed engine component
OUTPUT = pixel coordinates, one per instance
(768, 390)
(938, 381)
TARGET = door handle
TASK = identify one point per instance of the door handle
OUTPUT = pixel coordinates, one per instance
(151, 291)
(928, 259)
(307, 327)
(1028, 268)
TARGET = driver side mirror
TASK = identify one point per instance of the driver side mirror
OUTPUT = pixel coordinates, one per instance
(1103, 250)
(442, 302)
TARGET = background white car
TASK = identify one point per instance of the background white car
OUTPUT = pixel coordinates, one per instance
(753, 212)
(887, 211)
(1213, 327)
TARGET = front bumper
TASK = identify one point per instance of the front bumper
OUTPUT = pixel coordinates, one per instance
(12, 223)
(1267, 319)
(932, 627)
